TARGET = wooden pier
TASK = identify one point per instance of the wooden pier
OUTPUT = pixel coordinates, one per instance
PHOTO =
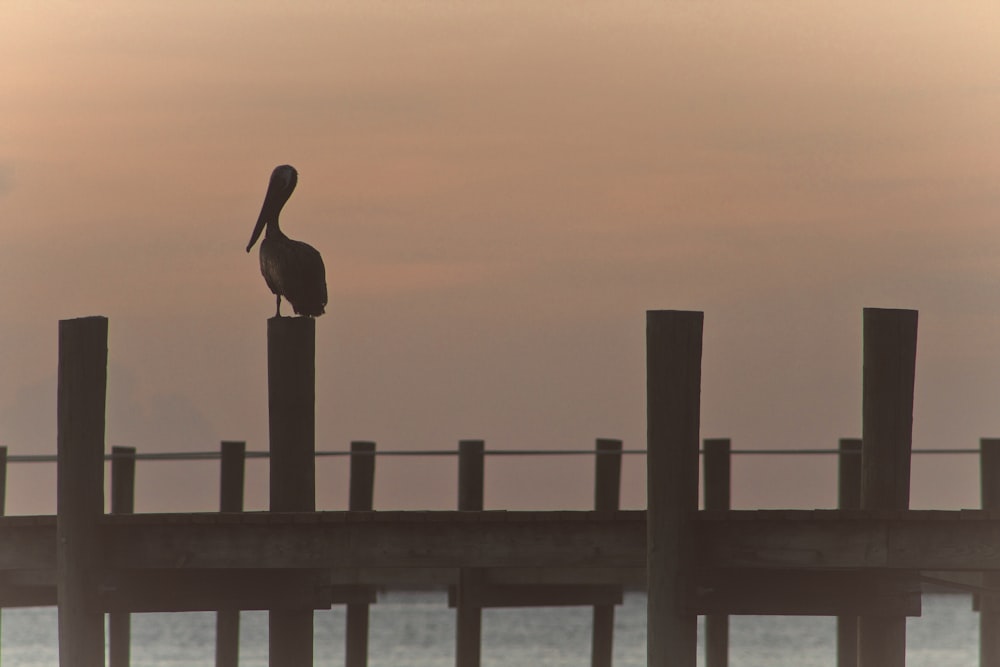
(862, 563)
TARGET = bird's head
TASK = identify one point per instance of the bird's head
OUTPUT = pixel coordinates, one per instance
(279, 189)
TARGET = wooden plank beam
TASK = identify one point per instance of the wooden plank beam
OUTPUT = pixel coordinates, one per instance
(806, 593)
(213, 590)
(763, 539)
(378, 539)
(539, 595)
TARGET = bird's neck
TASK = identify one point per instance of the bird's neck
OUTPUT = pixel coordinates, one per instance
(274, 231)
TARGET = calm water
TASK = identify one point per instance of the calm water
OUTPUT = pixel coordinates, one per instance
(417, 630)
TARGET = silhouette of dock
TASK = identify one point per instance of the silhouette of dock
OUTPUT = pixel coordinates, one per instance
(863, 563)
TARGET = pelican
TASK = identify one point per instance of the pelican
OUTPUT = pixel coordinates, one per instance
(292, 269)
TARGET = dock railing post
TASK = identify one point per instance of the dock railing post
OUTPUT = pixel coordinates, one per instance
(673, 408)
(81, 400)
(291, 383)
(717, 476)
(989, 603)
(468, 613)
(889, 351)
(607, 498)
(361, 495)
(122, 502)
(848, 498)
(232, 475)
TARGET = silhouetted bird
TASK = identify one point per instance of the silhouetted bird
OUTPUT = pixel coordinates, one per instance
(292, 269)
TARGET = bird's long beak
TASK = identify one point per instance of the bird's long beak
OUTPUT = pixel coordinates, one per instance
(261, 223)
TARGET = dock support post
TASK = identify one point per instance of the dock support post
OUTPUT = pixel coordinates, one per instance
(890, 348)
(361, 495)
(122, 502)
(81, 400)
(3, 503)
(848, 498)
(673, 407)
(989, 603)
(717, 476)
(468, 613)
(291, 383)
(232, 474)
(607, 496)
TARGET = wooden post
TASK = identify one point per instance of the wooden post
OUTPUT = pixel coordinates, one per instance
(607, 498)
(122, 502)
(3, 498)
(291, 384)
(231, 484)
(468, 621)
(989, 603)
(890, 348)
(673, 407)
(848, 498)
(361, 495)
(717, 476)
(3, 480)
(81, 395)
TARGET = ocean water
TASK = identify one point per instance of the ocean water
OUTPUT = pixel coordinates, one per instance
(417, 629)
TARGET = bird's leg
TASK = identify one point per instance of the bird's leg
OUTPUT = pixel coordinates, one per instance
(277, 311)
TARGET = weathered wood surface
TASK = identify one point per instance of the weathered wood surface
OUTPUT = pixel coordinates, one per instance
(806, 593)
(122, 502)
(377, 539)
(764, 539)
(673, 408)
(485, 595)
(291, 401)
(889, 353)
(210, 590)
(559, 541)
(80, 400)
(515, 548)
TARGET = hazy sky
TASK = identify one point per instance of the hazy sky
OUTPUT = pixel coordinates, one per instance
(500, 190)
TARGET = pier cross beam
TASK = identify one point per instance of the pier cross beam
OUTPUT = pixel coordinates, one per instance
(673, 411)
(291, 386)
(81, 400)
(889, 358)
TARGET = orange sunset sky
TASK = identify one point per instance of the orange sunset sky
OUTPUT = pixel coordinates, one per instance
(500, 190)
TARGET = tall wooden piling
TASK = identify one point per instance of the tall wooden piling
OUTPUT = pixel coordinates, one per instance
(468, 613)
(673, 408)
(717, 476)
(607, 497)
(291, 384)
(361, 494)
(890, 348)
(848, 498)
(122, 502)
(81, 396)
(989, 603)
(232, 475)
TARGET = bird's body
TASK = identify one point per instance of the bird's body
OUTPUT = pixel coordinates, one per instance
(291, 269)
